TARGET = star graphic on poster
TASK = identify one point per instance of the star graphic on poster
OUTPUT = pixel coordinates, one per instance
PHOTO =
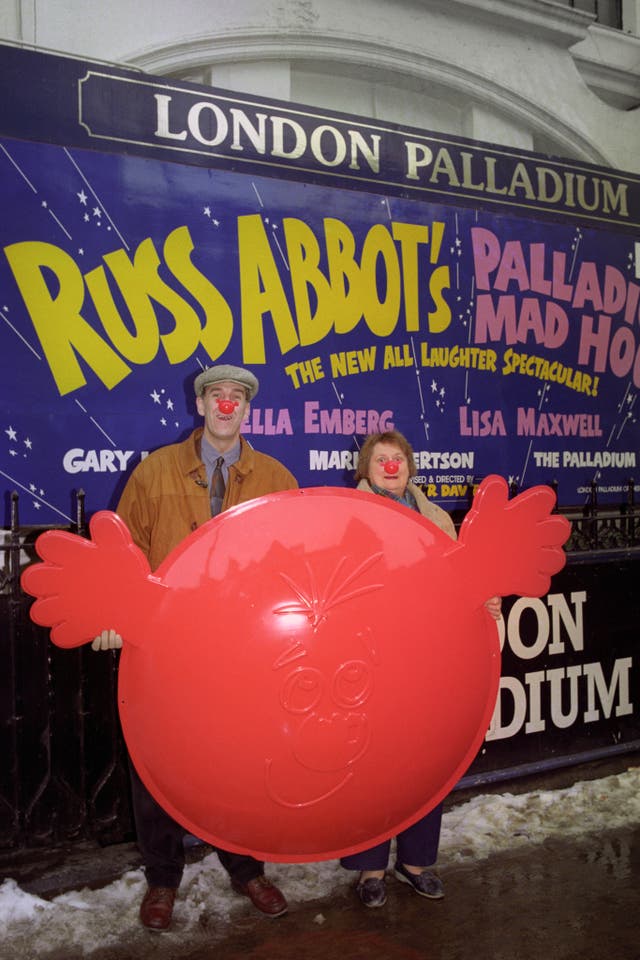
(28, 444)
(163, 421)
(207, 211)
(11, 433)
(169, 404)
(82, 197)
(155, 396)
(434, 386)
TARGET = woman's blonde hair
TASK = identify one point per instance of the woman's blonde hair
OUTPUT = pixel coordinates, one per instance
(390, 436)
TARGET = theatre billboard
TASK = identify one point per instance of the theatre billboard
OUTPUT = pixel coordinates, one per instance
(484, 301)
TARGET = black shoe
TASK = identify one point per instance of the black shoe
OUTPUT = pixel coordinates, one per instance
(372, 892)
(427, 884)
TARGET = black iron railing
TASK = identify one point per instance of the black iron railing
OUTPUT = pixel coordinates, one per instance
(63, 774)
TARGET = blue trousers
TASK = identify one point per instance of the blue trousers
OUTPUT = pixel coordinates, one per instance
(417, 846)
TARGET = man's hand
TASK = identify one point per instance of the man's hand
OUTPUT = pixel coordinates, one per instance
(107, 640)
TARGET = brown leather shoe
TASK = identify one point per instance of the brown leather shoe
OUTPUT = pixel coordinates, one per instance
(156, 908)
(263, 894)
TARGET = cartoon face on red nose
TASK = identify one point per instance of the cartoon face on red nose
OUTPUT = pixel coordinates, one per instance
(330, 731)
(227, 406)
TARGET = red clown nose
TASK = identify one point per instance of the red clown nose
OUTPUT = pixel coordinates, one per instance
(391, 467)
(227, 406)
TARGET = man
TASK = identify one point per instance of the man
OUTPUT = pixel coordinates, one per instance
(169, 495)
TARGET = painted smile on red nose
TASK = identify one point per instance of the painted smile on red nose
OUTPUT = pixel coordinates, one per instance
(391, 468)
(227, 406)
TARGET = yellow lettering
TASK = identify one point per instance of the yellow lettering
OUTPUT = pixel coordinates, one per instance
(139, 283)
(261, 292)
(303, 252)
(57, 320)
(440, 318)
(216, 334)
(344, 275)
(381, 315)
(410, 235)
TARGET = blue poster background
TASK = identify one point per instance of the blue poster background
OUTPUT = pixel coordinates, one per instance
(73, 219)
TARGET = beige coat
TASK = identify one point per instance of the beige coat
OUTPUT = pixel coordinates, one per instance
(428, 509)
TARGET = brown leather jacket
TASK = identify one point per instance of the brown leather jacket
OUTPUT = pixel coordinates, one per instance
(166, 497)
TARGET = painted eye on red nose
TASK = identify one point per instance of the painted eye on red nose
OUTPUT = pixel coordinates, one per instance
(352, 683)
(302, 690)
(227, 406)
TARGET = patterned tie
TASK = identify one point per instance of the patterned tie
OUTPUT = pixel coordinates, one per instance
(217, 487)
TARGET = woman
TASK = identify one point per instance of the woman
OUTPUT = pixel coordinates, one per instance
(385, 466)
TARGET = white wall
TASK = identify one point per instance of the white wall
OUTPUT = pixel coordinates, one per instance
(525, 73)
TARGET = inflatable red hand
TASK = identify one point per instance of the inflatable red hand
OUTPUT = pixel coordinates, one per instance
(83, 585)
(513, 545)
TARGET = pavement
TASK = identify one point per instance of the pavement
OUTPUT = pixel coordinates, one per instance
(562, 899)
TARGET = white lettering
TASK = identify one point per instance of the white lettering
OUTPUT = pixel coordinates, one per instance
(96, 461)
(333, 460)
(562, 687)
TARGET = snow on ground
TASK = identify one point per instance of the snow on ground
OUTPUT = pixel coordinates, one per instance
(82, 922)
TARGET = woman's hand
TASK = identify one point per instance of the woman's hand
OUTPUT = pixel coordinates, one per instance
(494, 606)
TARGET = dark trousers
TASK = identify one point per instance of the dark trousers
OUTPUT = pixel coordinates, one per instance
(417, 846)
(160, 840)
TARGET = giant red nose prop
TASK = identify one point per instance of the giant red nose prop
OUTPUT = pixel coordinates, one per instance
(271, 662)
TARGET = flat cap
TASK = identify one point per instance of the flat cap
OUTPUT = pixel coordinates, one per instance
(226, 371)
